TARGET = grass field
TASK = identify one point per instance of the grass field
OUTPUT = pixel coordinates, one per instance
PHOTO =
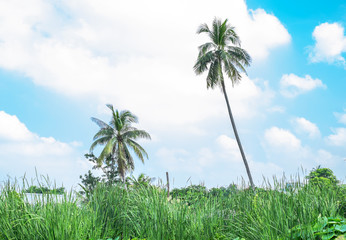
(145, 212)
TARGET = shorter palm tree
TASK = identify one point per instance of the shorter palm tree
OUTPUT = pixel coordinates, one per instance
(118, 138)
(142, 180)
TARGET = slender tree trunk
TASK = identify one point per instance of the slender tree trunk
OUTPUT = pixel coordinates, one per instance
(236, 136)
(167, 184)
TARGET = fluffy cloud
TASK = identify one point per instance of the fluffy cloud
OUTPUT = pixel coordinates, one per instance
(282, 139)
(305, 126)
(26, 151)
(132, 58)
(330, 43)
(229, 148)
(260, 32)
(291, 85)
(284, 149)
(338, 138)
(11, 129)
(341, 117)
(265, 30)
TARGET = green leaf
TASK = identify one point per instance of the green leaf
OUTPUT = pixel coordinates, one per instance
(328, 236)
(331, 219)
(341, 228)
(321, 223)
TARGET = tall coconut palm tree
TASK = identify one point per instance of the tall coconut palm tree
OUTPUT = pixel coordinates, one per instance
(118, 138)
(223, 54)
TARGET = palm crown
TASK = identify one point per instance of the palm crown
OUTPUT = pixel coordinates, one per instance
(119, 138)
(218, 55)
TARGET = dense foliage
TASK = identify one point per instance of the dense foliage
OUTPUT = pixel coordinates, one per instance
(110, 174)
(322, 177)
(43, 189)
(323, 228)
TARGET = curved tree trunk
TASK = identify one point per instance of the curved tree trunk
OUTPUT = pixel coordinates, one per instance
(236, 136)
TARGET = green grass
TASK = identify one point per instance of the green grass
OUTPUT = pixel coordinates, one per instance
(146, 213)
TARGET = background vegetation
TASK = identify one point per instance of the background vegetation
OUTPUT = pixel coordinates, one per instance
(283, 210)
(43, 189)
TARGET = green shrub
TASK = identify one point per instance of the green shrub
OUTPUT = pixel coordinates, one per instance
(324, 228)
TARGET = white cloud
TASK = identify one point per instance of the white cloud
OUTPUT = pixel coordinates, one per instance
(259, 31)
(263, 33)
(330, 43)
(229, 148)
(279, 109)
(172, 158)
(249, 97)
(291, 85)
(285, 150)
(282, 138)
(126, 54)
(338, 138)
(227, 143)
(305, 126)
(341, 117)
(26, 151)
(11, 129)
(325, 158)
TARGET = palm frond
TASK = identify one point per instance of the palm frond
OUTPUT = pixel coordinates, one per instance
(203, 61)
(214, 76)
(222, 34)
(100, 141)
(107, 150)
(135, 134)
(111, 122)
(104, 132)
(232, 36)
(232, 72)
(138, 149)
(240, 54)
(110, 106)
(99, 122)
(127, 117)
(205, 48)
(116, 121)
(216, 31)
(203, 28)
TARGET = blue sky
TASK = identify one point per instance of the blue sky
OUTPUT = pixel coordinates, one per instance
(62, 62)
